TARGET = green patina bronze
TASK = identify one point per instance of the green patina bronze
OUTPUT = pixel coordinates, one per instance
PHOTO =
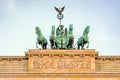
(60, 15)
(61, 38)
(53, 39)
(83, 39)
(41, 40)
(70, 37)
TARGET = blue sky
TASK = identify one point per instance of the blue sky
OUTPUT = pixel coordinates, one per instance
(18, 19)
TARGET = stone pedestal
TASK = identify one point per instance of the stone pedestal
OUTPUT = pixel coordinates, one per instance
(61, 61)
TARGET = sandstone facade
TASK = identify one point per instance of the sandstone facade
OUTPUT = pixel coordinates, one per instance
(60, 65)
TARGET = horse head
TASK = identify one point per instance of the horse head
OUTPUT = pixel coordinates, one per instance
(38, 31)
(86, 30)
(85, 33)
(71, 27)
(53, 30)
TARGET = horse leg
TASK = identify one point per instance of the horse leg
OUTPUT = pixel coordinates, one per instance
(88, 44)
(56, 45)
(71, 44)
(67, 46)
(51, 44)
(78, 46)
(36, 44)
(45, 45)
(42, 44)
(82, 45)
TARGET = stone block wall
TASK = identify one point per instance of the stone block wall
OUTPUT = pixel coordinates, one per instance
(107, 64)
(13, 64)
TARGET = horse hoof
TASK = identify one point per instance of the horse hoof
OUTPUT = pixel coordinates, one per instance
(82, 48)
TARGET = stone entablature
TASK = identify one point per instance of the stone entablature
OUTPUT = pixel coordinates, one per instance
(108, 58)
(60, 65)
(10, 58)
(107, 64)
(61, 53)
(13, 64)
(60, 76)
(59, 61)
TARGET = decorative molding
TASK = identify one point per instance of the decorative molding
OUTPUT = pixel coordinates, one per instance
(61, 60)
(111, 58)
(61, 53)
(58, 63)
(11, 58)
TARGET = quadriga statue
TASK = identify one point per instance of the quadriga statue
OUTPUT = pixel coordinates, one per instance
(61, 38)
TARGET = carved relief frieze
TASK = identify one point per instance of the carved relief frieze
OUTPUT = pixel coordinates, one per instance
(61, 63)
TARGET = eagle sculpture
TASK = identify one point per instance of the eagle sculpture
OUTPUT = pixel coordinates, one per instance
(60, 10)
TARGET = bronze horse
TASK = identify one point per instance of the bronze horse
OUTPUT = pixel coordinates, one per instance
(83, 39)
(41, 40)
